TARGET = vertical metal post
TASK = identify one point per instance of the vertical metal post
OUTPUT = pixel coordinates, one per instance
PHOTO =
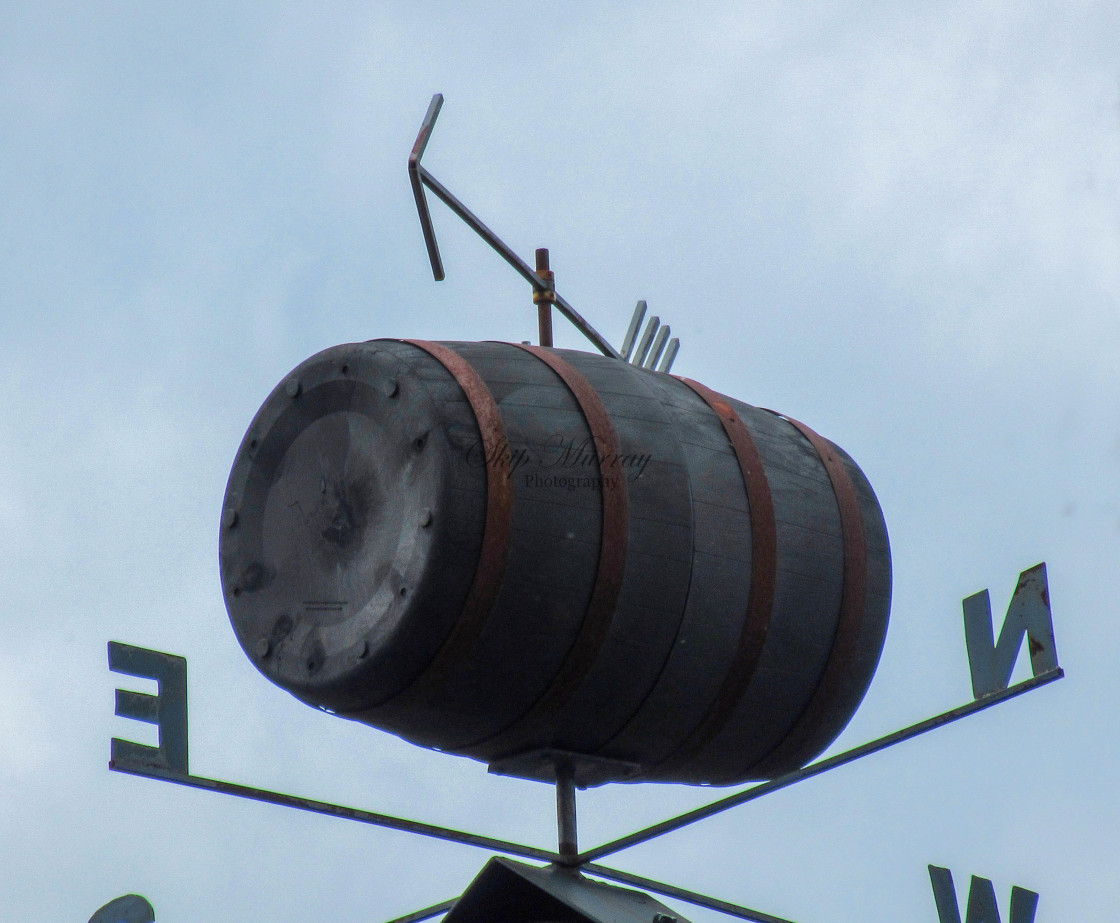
(566, 810)
(545, 299)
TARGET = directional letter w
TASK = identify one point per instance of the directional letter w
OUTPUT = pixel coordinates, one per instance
(981, 900)
(1029, 614)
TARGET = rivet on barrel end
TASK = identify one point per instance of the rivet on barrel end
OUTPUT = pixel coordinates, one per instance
(229, 518)
(363, 650)
(252, 577)
(425, 517)
(293, 387)
(391, 387)
(262, 648)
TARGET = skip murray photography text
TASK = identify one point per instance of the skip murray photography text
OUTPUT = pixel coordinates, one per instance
(559, 462)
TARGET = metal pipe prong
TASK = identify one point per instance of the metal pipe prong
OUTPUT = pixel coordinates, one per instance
(658, 345)
(632, 330)
(647, 338)
(670, 355)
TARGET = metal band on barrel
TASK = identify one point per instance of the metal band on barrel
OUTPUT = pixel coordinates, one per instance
(801, 743)
(763, 577)
(490, 570)
(612, 557)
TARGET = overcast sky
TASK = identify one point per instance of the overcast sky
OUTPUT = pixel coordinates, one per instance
(896, 222)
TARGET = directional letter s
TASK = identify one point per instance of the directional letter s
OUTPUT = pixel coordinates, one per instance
(132, 908)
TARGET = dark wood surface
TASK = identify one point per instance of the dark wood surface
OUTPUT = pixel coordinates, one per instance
(647, 684)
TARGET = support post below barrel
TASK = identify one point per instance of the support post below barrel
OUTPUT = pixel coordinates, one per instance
(566, 811)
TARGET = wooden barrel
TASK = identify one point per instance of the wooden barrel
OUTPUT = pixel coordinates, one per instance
(506, 552)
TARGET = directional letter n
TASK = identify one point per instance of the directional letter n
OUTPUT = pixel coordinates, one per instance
(1029, 613)
(167, 709)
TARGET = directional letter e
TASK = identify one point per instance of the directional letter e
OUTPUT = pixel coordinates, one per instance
(1029, 613)
(167, 709)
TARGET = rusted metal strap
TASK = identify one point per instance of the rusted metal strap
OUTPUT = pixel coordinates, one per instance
(490, 570)
(612, 557)
(801, 743)
(764, 566)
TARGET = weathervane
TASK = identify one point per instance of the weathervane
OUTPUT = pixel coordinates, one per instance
(543, 280)
(577, 569)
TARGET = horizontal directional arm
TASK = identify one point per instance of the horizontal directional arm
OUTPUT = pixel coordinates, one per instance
(334, 810)
(816, 769)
